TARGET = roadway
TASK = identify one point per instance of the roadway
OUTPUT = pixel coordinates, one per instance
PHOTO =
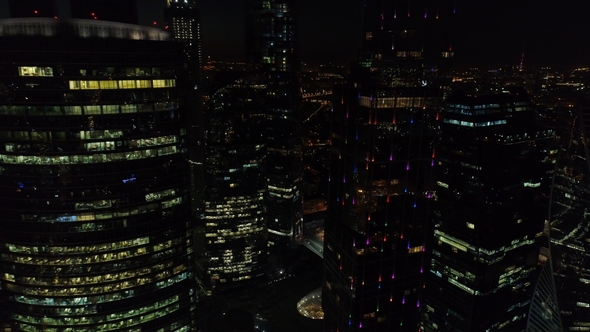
(313, 239)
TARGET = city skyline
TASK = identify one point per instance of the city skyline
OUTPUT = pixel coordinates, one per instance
(488, 32)
(494, 32)
(146, 189)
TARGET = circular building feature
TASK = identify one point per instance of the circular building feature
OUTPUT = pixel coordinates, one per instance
(310, 305)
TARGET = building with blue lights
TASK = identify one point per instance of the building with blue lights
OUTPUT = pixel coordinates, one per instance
(96, 232)
(493, 174)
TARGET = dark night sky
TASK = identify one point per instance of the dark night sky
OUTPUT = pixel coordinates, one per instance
(553, 32)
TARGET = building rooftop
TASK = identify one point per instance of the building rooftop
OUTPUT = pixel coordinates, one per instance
(83, 28)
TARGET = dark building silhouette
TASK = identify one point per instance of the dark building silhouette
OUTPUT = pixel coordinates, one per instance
(493, 167)
(183, 20)
(184, 23)
(384, 126)
(234, 214)
(283, 160)
(271, 35)
(271, 45)
(94, 178)
(407, 43)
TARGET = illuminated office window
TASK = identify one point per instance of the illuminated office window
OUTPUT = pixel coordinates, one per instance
(144, 84)
(35, 71)
(92, 109)
(73, 110)
(164, 83)
(126, 84)
(108, 84)
(110, 109)
(74, 85)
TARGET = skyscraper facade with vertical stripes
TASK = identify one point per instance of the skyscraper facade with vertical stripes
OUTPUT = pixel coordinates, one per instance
(385, 122)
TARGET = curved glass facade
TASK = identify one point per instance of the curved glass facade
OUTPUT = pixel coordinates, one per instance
(95, 232)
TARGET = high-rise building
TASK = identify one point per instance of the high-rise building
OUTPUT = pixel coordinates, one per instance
(283, 160)
(271, 45)
(185, 25)
(570, 218)
(271, 35)
(407, 43)
(493, 167)
(234, 215)
(96, 231)
(384, 126)
(544, 314)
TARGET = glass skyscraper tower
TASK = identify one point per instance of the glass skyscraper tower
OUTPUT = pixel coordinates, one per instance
(570, 218)
(493, 172)
(271, 45)
(235, 225)
(384, 125)
(184, 23)
(271, 35)
(95, 232)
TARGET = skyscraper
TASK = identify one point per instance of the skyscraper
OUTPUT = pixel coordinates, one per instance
(183, 19)
(271, 35)
(271, 45)
(569, 216)
(96, 233)
(492, 176)
(283, 160)
(407, 43)
(384, 126)
(234, 215)
(544, 314)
